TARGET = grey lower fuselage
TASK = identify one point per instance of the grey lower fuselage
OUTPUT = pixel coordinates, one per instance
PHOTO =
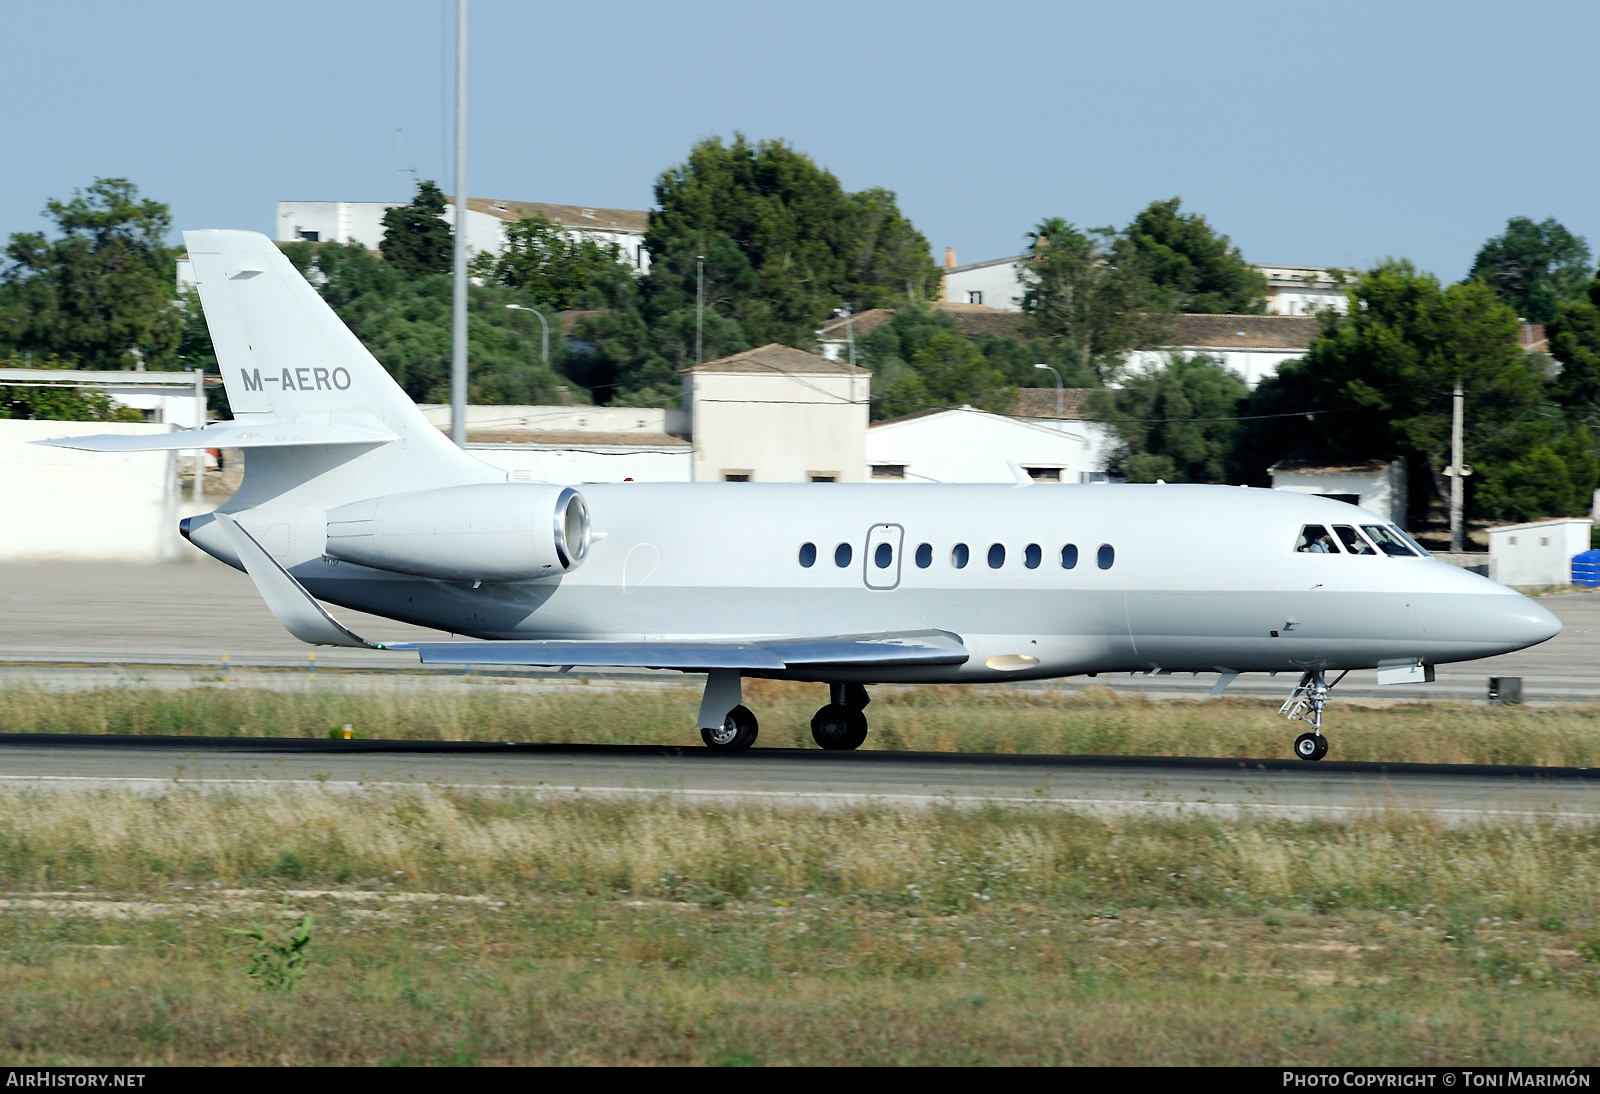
(1204, 578)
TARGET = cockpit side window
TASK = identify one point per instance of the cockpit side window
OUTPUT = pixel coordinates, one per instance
(1389, 543)
(1352, 540)
(1411, 540)
(1314, 539)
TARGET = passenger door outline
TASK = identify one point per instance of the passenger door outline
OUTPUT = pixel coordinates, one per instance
(883, 578)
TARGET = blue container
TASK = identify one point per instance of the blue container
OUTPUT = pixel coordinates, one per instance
(1586, 569)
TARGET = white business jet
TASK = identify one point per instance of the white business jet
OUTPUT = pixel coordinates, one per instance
(352, 498)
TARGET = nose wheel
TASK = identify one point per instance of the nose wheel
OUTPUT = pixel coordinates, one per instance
(1305, 705)
(1311, 746)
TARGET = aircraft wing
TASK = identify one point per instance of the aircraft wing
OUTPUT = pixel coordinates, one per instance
(225, 435)
(900, 648)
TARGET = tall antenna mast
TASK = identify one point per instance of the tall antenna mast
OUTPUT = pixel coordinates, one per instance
(458, 321)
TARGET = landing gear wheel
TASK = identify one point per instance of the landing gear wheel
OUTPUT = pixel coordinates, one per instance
(738, 732)
(1311, 746)
(839, 728)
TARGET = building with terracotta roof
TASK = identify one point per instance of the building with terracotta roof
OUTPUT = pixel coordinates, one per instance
(777, 414)
(487, 218)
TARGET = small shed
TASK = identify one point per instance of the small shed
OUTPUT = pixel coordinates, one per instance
(1375, 485)
(1538, 553)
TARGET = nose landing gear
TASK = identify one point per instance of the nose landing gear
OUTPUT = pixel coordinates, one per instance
(1305, 705)
(840, 726)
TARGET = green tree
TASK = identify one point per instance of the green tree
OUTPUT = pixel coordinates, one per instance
(1176, 423)
(561, 269)
(1378, 382)
(1574, 336)
(1182, 254)
(1085, 300)
(417, 239)
(100, 295)
(946, 370)
(405, 321)
(1534, 267)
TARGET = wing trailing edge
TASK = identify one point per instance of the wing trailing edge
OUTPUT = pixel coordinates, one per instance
(226, 435)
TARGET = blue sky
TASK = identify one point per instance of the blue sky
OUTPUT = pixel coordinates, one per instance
(1333, 134)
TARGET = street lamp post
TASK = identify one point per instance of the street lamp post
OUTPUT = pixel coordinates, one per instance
(537, 314)
(1060, 400)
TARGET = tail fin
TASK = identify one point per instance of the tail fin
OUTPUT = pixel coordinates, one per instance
(287, 358)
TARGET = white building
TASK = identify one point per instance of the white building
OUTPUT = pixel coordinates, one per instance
(1537, 554)
(1251, 345)
(1291, 290)
(1377, 485)
(777, 414)
(362, 222)
(968, 445)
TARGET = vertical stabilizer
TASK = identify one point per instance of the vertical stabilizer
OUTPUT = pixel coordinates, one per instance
(286, 357)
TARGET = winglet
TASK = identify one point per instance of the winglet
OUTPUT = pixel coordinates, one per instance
(286, 598)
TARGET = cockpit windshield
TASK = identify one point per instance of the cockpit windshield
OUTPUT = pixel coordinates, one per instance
(1389, 542)
(1352, 540)
(1314, 539)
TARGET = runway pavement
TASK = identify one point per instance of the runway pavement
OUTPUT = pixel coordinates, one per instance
(1278, 789)
(121, 620)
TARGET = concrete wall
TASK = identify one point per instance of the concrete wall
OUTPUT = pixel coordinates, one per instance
(1383, 492)
(597, 419)
(969, 445)
(778, 426)
(62, 504)
(574, 465)
(1538, 553)
(1254, 365)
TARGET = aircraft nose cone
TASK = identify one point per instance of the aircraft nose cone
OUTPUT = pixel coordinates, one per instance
(1461, 616)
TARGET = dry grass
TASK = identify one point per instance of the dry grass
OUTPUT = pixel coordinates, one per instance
(942, 719)
(504, 929)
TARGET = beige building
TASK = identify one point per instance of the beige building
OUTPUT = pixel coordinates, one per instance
(777, 414)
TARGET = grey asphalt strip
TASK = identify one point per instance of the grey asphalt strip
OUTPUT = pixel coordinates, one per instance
(1288, 789)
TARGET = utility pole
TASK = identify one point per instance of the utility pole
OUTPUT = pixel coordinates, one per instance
(544, 327)
(1060, 400)
(458, 319)
(699, 302)
(1458, 471)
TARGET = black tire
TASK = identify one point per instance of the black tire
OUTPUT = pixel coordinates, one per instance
(738, 732)
(838, 728)
(1310, 746)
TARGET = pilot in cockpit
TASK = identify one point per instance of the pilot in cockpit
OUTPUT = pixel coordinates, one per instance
(1314, 539)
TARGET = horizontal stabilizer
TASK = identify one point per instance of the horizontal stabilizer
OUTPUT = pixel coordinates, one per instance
(226, 435)
(854, 651)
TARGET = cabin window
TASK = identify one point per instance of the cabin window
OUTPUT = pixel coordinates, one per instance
(1107, 556)
(1069, 556)
(808, 555)
(1389, 543)
(924, 556)
(959, 555)
(997, 556)
(1031, 556)
(842, 555)
(1314, 539)
(883, 556)
(1352, 540)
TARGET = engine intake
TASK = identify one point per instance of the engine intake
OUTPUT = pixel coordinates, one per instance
(507, 531)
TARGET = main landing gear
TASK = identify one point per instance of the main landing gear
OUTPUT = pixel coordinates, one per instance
(737, 732)
(841, 726)
(1305, 705)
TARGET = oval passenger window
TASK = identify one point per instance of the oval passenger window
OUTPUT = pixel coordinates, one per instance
(841, 555)
(1107, 556)
(808, 555)
(924, 556)
(883, 556)
(1031, 556)
(959, 556)
(997, 556)
(1069, 556)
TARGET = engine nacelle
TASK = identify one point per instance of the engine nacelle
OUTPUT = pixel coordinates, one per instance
(508, 531)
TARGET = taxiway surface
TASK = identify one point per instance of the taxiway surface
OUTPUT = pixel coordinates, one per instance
(1105, 785)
